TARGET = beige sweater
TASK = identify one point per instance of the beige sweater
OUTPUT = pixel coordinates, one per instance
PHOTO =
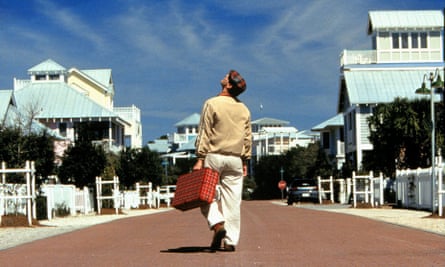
(224, 128)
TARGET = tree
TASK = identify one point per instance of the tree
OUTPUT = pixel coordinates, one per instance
(298, 162)
(16, 148)
(139, 165)
(267, 176)
(82, 163)
(400, 132)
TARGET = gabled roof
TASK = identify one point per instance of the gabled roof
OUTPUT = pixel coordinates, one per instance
(269, 121)
(60, 101)
(405, 19)
(102, 77)
(336, 121)
(380, 86)
(47, 67)
(190, 120)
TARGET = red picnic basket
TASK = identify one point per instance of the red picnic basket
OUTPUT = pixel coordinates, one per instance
(195, 189)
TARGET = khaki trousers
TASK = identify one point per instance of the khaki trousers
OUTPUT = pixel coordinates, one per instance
(226, 210)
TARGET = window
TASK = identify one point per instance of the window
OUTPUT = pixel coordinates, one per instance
(342, 134)
(40, 77)
(54, 77)
(414, 40)
(405, 40)
(350, 120)
(423, 36)
(395, 40)
(62, 129)
(326, 144)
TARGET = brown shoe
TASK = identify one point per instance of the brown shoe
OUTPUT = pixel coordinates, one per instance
(218, 236)
(229, 248)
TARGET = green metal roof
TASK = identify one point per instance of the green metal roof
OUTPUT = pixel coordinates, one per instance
(382, 85)
(100, 76)
(269, 121)
(160, 145)
(57, 100)
(5, 100)
(190, 120)
(47, 66)
(405, 19)
(335, 121)
(10, 115)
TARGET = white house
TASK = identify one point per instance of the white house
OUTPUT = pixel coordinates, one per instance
(406, 45)
(331, 139)
(66, 101)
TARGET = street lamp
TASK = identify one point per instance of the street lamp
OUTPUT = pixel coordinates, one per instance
(425, 91)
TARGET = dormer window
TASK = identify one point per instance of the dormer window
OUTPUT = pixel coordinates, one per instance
(54, 77)
(40, 77)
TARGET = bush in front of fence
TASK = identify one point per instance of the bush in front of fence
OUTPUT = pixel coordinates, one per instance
(61, 210)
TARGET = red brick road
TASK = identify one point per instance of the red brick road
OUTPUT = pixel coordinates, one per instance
(271, 235)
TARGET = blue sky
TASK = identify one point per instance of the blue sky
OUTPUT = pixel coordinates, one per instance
(168, 56)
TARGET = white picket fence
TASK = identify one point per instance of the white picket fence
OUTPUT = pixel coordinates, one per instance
(62, 196)
(413, 189)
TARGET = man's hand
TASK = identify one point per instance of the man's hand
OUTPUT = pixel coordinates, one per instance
(198, 165)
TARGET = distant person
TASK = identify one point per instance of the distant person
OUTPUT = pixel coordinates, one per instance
(224, 144)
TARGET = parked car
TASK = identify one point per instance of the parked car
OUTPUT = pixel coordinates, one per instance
(302, 190)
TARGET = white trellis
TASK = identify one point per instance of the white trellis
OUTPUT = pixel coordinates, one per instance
(115, 192)
(366, 185)
(148, 197)
(322, 188)
(29, 194)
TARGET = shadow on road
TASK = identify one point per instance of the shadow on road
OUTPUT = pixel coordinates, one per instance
(189, 250)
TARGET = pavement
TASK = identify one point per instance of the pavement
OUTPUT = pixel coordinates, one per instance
(273, 234)
(417, 219)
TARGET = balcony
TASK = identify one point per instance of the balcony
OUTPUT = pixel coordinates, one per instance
(348, 57)
(353, 57)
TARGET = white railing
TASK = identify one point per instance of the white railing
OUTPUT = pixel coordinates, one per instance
(358, 57)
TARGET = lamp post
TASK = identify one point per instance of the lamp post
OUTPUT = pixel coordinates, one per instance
(423, 90)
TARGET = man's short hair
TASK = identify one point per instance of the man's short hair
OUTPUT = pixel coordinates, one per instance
(238, 83)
